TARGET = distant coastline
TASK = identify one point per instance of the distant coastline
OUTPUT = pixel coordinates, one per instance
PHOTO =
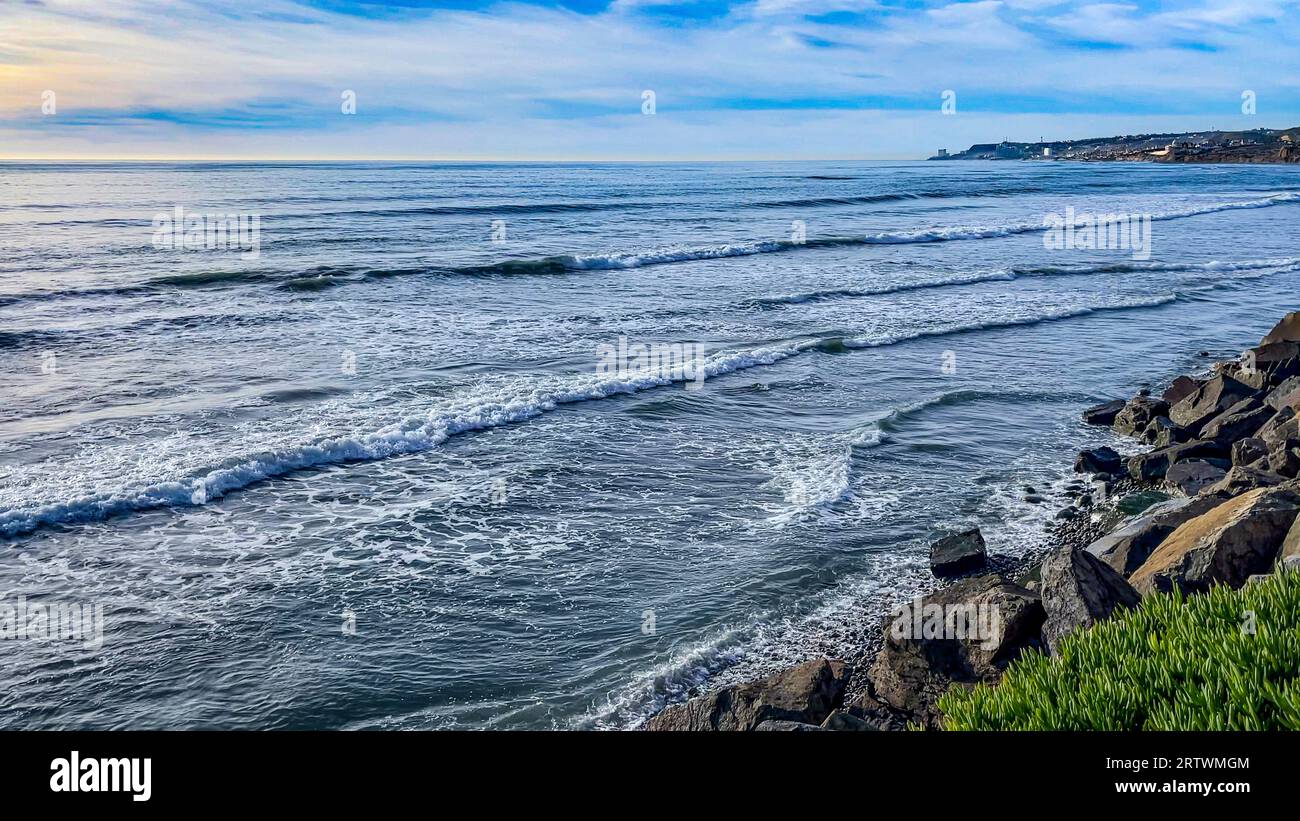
(1262, 145)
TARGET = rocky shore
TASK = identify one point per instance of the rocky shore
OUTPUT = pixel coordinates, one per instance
(1212, 499)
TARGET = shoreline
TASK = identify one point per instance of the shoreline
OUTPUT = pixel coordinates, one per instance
(1218, 447)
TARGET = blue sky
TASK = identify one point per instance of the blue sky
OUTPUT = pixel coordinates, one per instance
(479, 79)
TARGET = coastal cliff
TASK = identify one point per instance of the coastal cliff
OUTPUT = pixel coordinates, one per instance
(1261, 145)
(1144, 577)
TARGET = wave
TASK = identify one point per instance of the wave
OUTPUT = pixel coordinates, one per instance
(1007, 274)
(627, 259)
(423, 433)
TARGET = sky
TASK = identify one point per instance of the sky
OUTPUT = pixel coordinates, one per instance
(627, 79)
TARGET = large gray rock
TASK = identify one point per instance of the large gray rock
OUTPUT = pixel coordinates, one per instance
(1078, 591)
(1248, 451)
(1149, 467)
(1208, 401)
(1161, 432)
(1191, 476)
(1228, 544)
(1098, 460)
(1238, 422)
(806, 694)
(773, 725)
(958, 553)
(1285, 395)
(1137, 414)
(1127, 547)
(985, 623)
(1284, 458)
(1242, 478)
(1283, 425)
(1103, 414)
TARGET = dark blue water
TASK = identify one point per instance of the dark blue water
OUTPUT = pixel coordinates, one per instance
(392, 418)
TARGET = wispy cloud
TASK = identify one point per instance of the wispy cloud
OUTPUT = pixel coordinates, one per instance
(759, 78)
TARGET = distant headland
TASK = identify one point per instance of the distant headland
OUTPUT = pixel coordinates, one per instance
(1262, 145)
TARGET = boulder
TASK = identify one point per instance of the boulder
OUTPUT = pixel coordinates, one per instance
(1127, 547)
(1284, 458)
(1270, 364)
(1288, 330)
(1161, 432)
(844, 721)
(1242, 478)
(1208, 401)
(1137, 414)
(1079, 590)
(1103, 414)
(1282, 426)
(958, 553)
(1181, 387)
(1248, 451)
(1189, 477)
(1289, 553)
(1226, 545)
(1148, 467)
(1237, 422)
(1098, 460)
(968, 633)
(1285, 395)
(773, 725)
(806, 694)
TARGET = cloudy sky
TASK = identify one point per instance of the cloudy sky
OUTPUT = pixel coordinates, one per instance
(567, 79)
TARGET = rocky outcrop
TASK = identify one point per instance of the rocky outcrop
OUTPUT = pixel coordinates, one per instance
(958, 553)
(1226, 545)
(965, 634)
(1241, 479)
(1078, 590)
(1103, 414)
(1285, 395)
(1139, 412)
(1239, 421)
(1180, 388)
(1098, 460)
(805, 694)
(1288, 330)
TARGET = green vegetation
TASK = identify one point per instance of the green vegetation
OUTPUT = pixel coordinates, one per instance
(1172, 663)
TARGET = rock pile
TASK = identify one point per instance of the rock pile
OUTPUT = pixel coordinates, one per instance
(1225, 446)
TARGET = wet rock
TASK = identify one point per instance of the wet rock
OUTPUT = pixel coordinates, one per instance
(1225, 545)
(1161, 432)
(1098, 460)
(1103, 414)
(1152, 466)
(986, 622)
(806, 694)
(958, 553)
(1191, 476)
(1137, 414)
(1079, 590)
(1208, 401)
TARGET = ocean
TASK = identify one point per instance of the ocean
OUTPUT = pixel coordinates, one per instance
(369, 465)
